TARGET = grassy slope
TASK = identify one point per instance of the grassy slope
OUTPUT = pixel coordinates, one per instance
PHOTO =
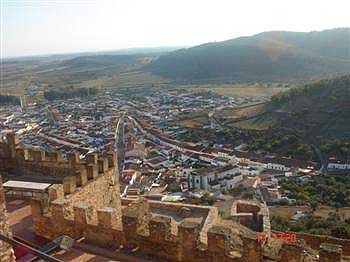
(318, 109)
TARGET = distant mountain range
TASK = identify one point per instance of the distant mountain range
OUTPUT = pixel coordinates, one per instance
(126, 51)
(276, 55)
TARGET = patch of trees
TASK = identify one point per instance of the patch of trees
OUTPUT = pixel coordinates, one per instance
(241, 192)
(70, 93)
(288, 145)
(331, 225)
(324, 189)
(9, 100)
(326, 91)
(339, 148)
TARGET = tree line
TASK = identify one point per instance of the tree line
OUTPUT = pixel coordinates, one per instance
(70, 93)
(9, 100)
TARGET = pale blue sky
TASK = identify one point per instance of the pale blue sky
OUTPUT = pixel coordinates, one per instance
(32, 27)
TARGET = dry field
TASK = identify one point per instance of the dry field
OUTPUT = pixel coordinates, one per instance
(194, 122)
(246, 111)
(89, 71)
(240, 90)
(322, 211)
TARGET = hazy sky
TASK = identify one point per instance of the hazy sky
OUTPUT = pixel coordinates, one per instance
(30, 27)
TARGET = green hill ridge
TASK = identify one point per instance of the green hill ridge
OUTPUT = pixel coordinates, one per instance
(276, 55)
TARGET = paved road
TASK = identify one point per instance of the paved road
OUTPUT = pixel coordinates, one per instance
(119, 143)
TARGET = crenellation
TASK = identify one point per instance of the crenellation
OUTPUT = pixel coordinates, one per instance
(38, 155)
(58, 209)
(54, 156)
(86, 203)
(107, 217)
(112, 159)
(55, 191)
(69, 184)
(102, 165)
(81, 211)
(73, 158)
(92, 171)
(81, 177)
(91, 158)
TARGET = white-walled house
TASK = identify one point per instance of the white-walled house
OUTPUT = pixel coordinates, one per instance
(225, 154)
(338, 166)
(215, 178)
(275, 166)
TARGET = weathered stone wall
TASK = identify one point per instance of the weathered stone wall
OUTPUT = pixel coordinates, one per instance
(151, 235)
(330, 253)
(315, 241)
(93, 179)
(102, 191)
(253, 215)
(95, 186)
(210, 213)
(24, 161)
(6, 251)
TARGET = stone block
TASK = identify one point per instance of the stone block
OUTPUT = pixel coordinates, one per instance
(81, 177)
(73, 158)
(69, 184)
(81, 213)
(92, 171)
(107, 217)
(102, 165)
(91, 158)
(55, 191)
(112, 159)
(57, 209)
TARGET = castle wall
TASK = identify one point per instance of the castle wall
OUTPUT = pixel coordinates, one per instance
(315, 241)
(150, 235)
(79, 199)
(6, 251)
(254, 216)
(210, 213)
(86, 203)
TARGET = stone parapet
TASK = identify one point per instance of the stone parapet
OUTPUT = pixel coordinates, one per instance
(330, 253)
(151, 235)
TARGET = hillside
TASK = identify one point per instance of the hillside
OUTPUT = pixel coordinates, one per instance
(100, 61)
(270, 56)
(318, 109)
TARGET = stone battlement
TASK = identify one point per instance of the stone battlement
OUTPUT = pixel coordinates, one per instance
(139, 229)
(85, 202)
(252, 215)
(27, 161)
